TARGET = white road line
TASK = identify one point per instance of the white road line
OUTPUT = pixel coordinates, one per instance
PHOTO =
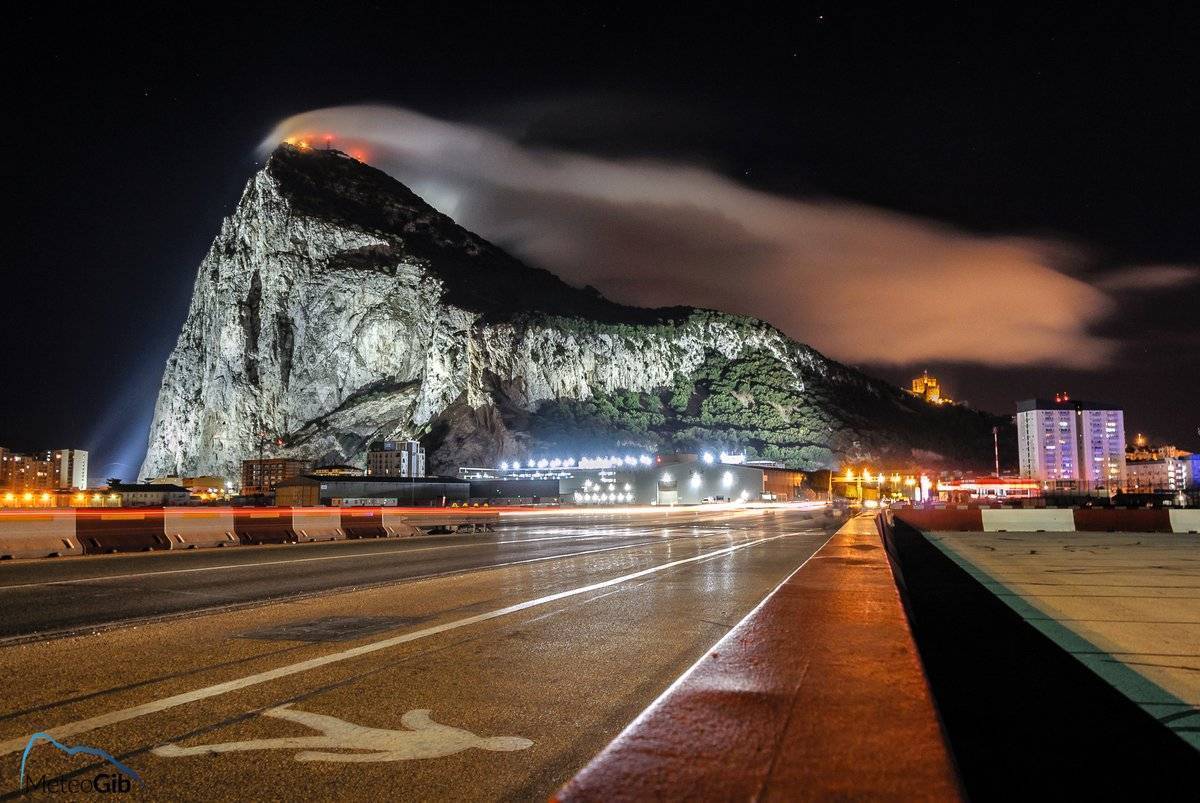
(103, 720)
(293, 560)
(651, 709)
(227, 606)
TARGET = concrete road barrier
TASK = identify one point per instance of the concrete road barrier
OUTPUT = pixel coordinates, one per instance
(317, 524)
(933, 520)
(363, 522)
(263, 525)
(1135, 520)
(38, 534)
(1029, 521)
(1056, 520)
(103, 530)
(1185, 521)
(193, 528)
(396, 525)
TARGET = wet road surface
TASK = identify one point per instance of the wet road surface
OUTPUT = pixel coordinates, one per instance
(474, 667)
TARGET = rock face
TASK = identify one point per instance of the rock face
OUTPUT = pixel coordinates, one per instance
(335, 307)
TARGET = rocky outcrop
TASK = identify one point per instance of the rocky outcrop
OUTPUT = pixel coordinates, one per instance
(335, 307)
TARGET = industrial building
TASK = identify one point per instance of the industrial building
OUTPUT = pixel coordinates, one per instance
(308, 490)
(680, 479)
(661, 480)
(515, 491)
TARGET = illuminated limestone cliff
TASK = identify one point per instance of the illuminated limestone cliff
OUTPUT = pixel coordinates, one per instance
(335, 307)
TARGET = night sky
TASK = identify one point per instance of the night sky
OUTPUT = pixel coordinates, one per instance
(131, 136)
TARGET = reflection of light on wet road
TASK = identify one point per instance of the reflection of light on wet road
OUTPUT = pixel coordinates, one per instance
(123, 715)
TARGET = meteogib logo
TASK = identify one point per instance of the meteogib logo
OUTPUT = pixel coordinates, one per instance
(104, 782)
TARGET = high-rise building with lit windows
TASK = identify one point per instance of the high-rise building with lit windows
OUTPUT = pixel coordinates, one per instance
(1070, 443)
(45, 470)
(70, 467)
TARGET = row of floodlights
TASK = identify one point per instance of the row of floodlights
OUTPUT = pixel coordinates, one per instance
(588, 485)
(585, 498)
(724, 457)
(613, 461)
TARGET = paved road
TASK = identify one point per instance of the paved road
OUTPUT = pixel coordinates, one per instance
(76, 594)
(476, 667)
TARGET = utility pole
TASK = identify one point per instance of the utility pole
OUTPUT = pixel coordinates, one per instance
(996, 447)
(262, 445)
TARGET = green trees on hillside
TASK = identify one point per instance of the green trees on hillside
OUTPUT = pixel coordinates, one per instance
(755, 404)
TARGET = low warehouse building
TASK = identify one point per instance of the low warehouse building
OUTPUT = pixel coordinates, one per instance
(150, 494)
(689, 482)
(307, 491)
(515, 492)
(684, 479)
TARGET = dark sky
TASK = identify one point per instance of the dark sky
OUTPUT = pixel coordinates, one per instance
(131, 134)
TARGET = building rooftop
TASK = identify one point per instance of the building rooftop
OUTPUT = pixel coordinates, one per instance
(151, 487)
(1063, 404)
(309, 479)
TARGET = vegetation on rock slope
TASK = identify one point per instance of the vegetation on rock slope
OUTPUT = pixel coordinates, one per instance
(754, 404)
